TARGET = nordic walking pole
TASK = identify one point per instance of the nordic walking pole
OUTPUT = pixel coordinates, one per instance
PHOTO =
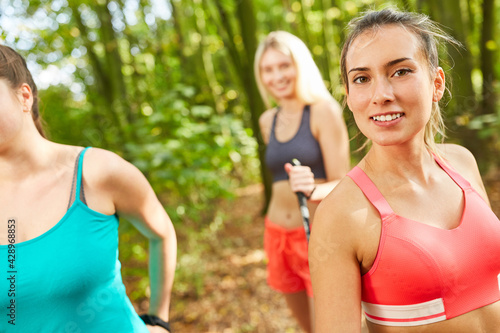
(304, 211)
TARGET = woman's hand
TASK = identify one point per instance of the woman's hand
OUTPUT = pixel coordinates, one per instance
(301, 178)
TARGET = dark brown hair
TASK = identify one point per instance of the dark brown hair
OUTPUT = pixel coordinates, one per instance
(13, 68)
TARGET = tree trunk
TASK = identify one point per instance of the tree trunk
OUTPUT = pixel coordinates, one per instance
(179, 39)
(246, 19)
(103, 82)
(449, 13)
(113, 63)
(464, 101)
(488, 93)
(208, 65)
(306, 35)
(332, 51)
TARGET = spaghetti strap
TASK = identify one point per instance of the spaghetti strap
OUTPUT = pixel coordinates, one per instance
(79, 174)
(274, 122)
(371, 192)
(457, 178)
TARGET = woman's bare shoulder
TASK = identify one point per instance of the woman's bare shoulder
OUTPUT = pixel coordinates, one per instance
(105, 158)
(453, 151)
(105, 169)
(459, 157)
(326, 116)
(464, 162)
(325, 107)
(347, 219)
(267, 116)
(265, 123)
(345, 208)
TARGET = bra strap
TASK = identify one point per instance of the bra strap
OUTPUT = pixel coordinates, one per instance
(306, 117)
(371, 192)
(457, 178)
(272, 134)
(79, 174)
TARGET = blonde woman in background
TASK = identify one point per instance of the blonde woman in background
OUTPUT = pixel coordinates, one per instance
(307, 124)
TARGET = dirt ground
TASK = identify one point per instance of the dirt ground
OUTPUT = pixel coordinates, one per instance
(237, 298)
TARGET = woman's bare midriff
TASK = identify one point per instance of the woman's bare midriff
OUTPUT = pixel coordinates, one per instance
(483, 320)
(284, 206)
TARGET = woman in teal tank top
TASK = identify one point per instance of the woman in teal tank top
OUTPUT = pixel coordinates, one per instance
(59, 209)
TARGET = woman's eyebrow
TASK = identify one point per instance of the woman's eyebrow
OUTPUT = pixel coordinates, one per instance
(389, 64)
(358, 69)
(396, 61)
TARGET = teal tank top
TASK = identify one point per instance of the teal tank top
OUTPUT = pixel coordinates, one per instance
(68, 279)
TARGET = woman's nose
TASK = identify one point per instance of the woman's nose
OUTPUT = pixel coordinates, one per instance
(278, 74)
(383, 92)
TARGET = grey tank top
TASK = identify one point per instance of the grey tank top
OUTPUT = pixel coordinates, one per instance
(303, 146)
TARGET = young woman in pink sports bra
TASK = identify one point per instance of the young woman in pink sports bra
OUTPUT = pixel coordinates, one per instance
(408, 238)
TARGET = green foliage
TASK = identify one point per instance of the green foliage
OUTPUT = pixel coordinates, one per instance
(192, 154)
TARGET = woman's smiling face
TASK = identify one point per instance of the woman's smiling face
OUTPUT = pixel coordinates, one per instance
(390, 87)
(278, 74)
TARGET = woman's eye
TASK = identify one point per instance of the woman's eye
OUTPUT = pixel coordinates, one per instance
(360, 79)
(402, 72)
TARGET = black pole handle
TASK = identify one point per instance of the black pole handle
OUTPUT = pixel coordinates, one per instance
(304, 211)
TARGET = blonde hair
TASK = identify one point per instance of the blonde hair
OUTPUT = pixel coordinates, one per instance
(427, 32)
(309, 86)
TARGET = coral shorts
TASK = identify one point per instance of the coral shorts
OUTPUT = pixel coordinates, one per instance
(288, 265)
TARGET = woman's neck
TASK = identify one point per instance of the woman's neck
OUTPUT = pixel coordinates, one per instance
(401, 161)
(22, 156)
(291, 106)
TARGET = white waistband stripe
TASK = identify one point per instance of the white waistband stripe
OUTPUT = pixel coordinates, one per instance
(406, 323)
(406, 315)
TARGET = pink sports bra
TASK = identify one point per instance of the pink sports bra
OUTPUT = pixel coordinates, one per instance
(423, 274)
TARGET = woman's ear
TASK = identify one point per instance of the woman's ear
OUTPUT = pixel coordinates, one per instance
(26, 96)
(439, 85)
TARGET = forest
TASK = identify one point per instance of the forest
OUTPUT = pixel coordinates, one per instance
(169, 86)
